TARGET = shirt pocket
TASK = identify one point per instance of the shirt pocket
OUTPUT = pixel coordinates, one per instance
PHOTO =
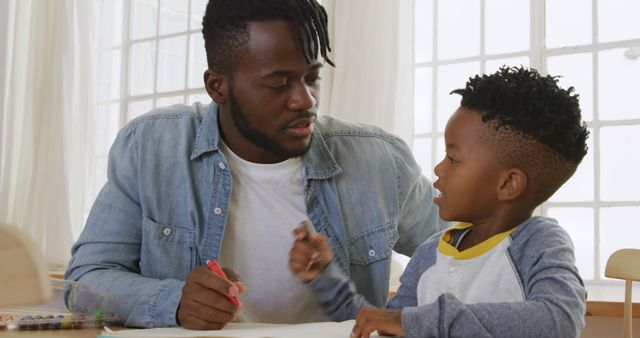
(166, 251)
(372, 245)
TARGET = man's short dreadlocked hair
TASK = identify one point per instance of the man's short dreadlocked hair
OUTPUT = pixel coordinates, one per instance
(536, 125)
(225, 31)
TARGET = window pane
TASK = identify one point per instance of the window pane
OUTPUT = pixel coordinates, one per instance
(111, 22)
(575, 70)
(197, 61)
(618, 20)
(580, 186)
(169, 100)
(619, 179)
(619, 81)
(137, 108)
(172, 60)
(144, 19)
(202, 98)
(422, 153)
(492, 66)
(452, 77)
(579, 224)
(423, 30)
(197, 12)
(506, 33)
(143, 61)
(423, 98)
(568, 23)
(110, 67)
(458, 30)
(618, 230)
(173, 16)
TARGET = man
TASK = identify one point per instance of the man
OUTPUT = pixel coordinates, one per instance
(231, 180)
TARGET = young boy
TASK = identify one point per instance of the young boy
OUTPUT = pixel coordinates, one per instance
(499, 272)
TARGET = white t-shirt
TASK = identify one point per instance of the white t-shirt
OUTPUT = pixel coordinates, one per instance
(267, 203)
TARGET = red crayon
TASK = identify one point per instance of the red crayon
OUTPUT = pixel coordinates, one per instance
(213, 266)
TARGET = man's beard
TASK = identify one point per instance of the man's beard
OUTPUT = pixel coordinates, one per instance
(257, 137)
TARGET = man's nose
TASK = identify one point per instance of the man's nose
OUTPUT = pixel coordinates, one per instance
(302, 98)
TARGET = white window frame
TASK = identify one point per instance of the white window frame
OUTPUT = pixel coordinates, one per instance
(125, 98)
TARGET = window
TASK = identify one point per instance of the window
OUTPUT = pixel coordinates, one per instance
(595, 46)
(152, 54)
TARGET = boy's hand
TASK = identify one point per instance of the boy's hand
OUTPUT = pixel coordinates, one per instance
(310, 254)
(386, 322)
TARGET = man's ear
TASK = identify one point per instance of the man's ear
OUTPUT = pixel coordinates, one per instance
(513, 184)
(217, 86)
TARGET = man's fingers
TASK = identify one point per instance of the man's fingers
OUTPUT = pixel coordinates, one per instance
(194, 323)
(207, 313)
(211, 280)
(209, 298)
(233, 277)
(197, 316)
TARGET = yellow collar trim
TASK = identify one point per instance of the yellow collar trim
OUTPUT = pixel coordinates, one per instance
(448, 249)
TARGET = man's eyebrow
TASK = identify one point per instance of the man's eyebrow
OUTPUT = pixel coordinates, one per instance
(288, 73)
(315, 66)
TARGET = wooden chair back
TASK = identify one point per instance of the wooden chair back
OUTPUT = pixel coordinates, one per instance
(23, 275)
(625, 264)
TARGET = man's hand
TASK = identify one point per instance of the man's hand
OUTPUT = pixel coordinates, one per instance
(204, 304)
(386, 322)
(310, 254)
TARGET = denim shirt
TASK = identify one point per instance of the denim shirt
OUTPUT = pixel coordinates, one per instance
(164, 207)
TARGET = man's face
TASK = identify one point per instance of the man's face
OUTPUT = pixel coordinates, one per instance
(273, 97)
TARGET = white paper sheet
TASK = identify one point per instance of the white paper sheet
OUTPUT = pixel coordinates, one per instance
(246, 330)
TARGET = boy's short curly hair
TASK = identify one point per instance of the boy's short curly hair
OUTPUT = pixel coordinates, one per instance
(537, 125)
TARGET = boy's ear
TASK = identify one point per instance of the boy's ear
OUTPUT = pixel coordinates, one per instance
(513, 185)
(217, 86)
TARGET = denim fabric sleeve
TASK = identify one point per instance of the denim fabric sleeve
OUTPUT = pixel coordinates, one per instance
(106, 257)
(419, 217)
(554, 303)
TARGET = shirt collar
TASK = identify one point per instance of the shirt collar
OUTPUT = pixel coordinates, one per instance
(208, 134)
(319, 161)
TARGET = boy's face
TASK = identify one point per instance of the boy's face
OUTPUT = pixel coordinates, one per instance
(468, 176)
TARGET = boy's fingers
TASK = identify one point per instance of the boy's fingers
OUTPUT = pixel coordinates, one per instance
(319, 242)
(299, 233)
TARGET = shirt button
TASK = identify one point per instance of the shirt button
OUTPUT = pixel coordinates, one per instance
(372, 253)
(217, 211)
(221, 166)
(166, 231)
(453, 271)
